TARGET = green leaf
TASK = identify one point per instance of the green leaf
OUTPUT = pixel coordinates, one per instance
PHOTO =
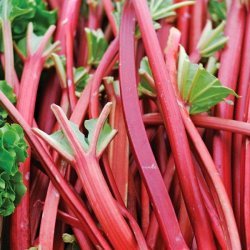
(199, 89)
(144, 87)
(13, 150)
(21, 12)
(160, 9)
(81, 78)
(43, 18)
(60, 138)
(12, 9)
(105, 137)
(9, 93)
(211, 40)
(118, 5)
(212, 65)
(12, 190)
(13, 147)
(217, 10)
(97, 46)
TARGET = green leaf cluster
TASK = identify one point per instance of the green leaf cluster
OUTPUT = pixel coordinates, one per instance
(21, 12)
(199, 89)
(13, 150)
(97, 46)
(9, 93)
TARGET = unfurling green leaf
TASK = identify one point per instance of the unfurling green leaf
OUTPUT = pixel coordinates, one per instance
(199, 89)
(13, 150)
(97, 46)
(211, 40)
(9, 93)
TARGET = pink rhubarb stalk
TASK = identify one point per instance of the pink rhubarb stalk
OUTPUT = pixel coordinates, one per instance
(142, 151)
(175, 128)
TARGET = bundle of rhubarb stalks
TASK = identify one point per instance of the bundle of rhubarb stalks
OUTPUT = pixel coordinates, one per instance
(124, 124)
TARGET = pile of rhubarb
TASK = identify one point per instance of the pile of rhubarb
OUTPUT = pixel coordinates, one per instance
(124, 124)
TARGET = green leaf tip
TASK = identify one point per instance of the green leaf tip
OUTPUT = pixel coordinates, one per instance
(211, 40)
(199, 89)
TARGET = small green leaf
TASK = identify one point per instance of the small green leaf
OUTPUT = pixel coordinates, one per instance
(212, 65)
(199, 89)
(97, 46)
(13, 147)
(9, 93)
(12, 190)
(105, 137)
(118, 5)
(35, 42)
(144, 87)
(211, 40)
(217, 10)
(13, 150)
(81, 78)
(68, 238)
